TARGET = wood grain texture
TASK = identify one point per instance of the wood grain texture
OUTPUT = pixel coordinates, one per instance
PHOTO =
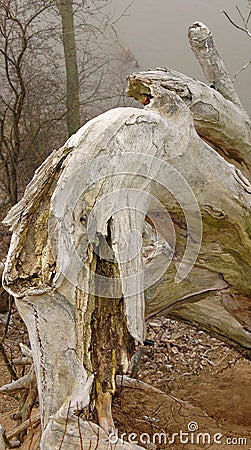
(142, 211)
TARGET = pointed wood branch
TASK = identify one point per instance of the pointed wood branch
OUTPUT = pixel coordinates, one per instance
(217, 76)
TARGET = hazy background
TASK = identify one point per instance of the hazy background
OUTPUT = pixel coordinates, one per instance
(155, 31)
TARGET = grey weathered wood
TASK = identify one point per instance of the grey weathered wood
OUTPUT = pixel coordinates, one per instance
(82, 278)
(217, 76)
(91, 435)
(46, 299)
(210, 315)
(217, 120)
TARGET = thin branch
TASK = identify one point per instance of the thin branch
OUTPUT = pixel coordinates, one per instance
(123, 12)
(241, 15)
(79, 432)
(241, 69)
(248, 18)
(31, 422)
(37, 14)
(65, 428)
(11, 301)
(8, 363)
(245, 30)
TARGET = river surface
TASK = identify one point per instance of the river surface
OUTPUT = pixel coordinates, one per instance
(155, 31)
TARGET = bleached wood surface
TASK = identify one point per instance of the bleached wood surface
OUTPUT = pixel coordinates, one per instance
(135, 215)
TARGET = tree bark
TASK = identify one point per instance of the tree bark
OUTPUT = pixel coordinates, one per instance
(71, 65)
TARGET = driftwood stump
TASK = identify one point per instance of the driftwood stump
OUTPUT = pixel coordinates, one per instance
(142, 211)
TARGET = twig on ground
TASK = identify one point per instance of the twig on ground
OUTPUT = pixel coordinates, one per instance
(31, 422)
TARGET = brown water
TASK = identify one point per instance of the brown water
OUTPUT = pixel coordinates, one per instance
(155, 31)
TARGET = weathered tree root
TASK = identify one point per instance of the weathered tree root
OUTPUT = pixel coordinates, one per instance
(81, 291)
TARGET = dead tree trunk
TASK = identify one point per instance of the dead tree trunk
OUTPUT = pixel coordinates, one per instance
(141, 211)
(65, 8)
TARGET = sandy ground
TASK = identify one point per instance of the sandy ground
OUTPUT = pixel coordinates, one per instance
(205, 400)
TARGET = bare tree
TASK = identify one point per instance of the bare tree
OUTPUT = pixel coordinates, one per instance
(65, 8)
(12, 57)
(22, 77)
(34, 96)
